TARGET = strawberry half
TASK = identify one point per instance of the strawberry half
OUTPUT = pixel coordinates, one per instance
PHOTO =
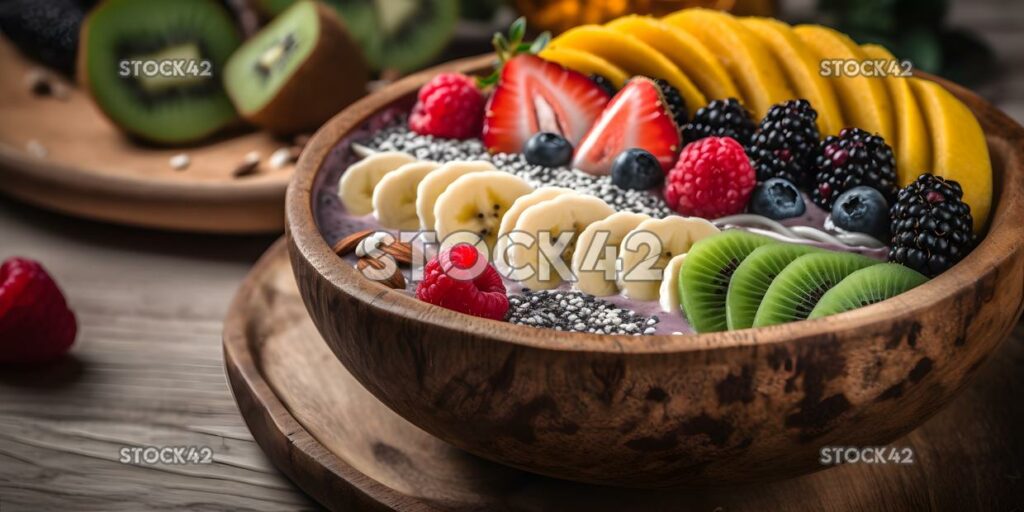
(534, 95)
(637, 117)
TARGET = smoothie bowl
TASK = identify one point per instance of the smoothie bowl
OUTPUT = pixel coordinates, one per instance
(810, 288)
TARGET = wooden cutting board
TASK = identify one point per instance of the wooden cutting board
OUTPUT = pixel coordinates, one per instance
(347, 450)
(64, 155)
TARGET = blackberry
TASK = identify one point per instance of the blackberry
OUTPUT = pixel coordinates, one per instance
(675, 101)
(605, 84)
(931, 225)
(786, 143)
(853, 158)
(721, 118)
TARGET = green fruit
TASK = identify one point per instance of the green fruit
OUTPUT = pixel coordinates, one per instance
(394, 34)
(797, 289)
(867, 286)
(752, 279)
(165, 105)
(706, 272)
(298, 71)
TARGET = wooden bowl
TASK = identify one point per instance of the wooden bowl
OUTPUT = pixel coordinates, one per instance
(665, 411)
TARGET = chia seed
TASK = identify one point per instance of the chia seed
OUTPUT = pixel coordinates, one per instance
(544, 309)
(398, 137)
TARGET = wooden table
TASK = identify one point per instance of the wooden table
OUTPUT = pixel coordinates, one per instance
(147, 368)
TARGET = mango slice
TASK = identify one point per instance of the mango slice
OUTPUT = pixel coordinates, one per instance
(630, 54)
(913, 146)
(959, 150)
(864, 100)
(748, 62)
(586, 63)
(685, 51)
(802, 69)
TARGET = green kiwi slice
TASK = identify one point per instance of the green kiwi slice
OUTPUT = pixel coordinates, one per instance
(298, 71)
(706, 272)
(867, 286)
(168, 105)
(752, 279)
(403, 35)
(795, 292)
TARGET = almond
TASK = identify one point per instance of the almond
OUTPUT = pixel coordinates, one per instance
(400, 251)
(349, 243)
(395, 280)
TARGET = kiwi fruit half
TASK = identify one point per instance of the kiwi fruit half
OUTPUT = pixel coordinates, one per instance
(298, 71)
(119, 36)
(706, 272)
(403, 35)
(795, 292)
(867, 286)
(752, 279)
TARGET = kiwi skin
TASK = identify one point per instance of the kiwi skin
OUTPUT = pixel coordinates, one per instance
(333, 76)
(820, 270)
(867, 286)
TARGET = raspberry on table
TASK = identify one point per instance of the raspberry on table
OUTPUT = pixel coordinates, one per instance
(932, 228)
(448, 281)
(36, 324)
(449, 106)
(713, 178)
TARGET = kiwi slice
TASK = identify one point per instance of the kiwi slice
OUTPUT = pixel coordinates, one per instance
(403, 35)
(867, 286)
(795, 292)
(120, 36)
(753, 277)
(706, 272)
(298, 71)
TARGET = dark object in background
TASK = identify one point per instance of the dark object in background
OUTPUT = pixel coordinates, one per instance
(44, 30)
(915, 30)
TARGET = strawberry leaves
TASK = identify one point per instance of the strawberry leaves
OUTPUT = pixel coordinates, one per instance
(511, 45)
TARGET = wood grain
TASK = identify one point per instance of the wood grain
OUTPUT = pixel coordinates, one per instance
(93, 170)
(345, 448)
(663, 411)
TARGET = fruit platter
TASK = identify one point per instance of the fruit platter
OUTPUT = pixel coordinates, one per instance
(159, 114)
(663, 251)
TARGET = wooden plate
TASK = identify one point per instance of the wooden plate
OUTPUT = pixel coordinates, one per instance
(92, 170)
(346, 449)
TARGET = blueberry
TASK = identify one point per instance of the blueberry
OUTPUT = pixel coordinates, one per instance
(862, 210)
(548, 149)
(777, 199)
(637, 169)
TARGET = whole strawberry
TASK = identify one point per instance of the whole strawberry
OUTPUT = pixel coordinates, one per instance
(712, 178)
(456, 279)
(449, 106)
(35, 322)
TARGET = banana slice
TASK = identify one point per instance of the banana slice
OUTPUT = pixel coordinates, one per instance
(668, 295)
(436, 182)
(358, 181)
(394, 198)
(474, 205)
(508, 222)
(570, 213)
(597, 250)
(646, 251)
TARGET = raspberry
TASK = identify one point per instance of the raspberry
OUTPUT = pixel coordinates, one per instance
(449, 106)
(449, 281)
(713, 178)
(35, 322)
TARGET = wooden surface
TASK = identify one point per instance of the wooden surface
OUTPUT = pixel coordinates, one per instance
(344, 447)
(659, 411)
(148, 369)
(92, 170)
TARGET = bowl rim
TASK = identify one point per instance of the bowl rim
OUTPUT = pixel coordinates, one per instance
(1004, 237)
